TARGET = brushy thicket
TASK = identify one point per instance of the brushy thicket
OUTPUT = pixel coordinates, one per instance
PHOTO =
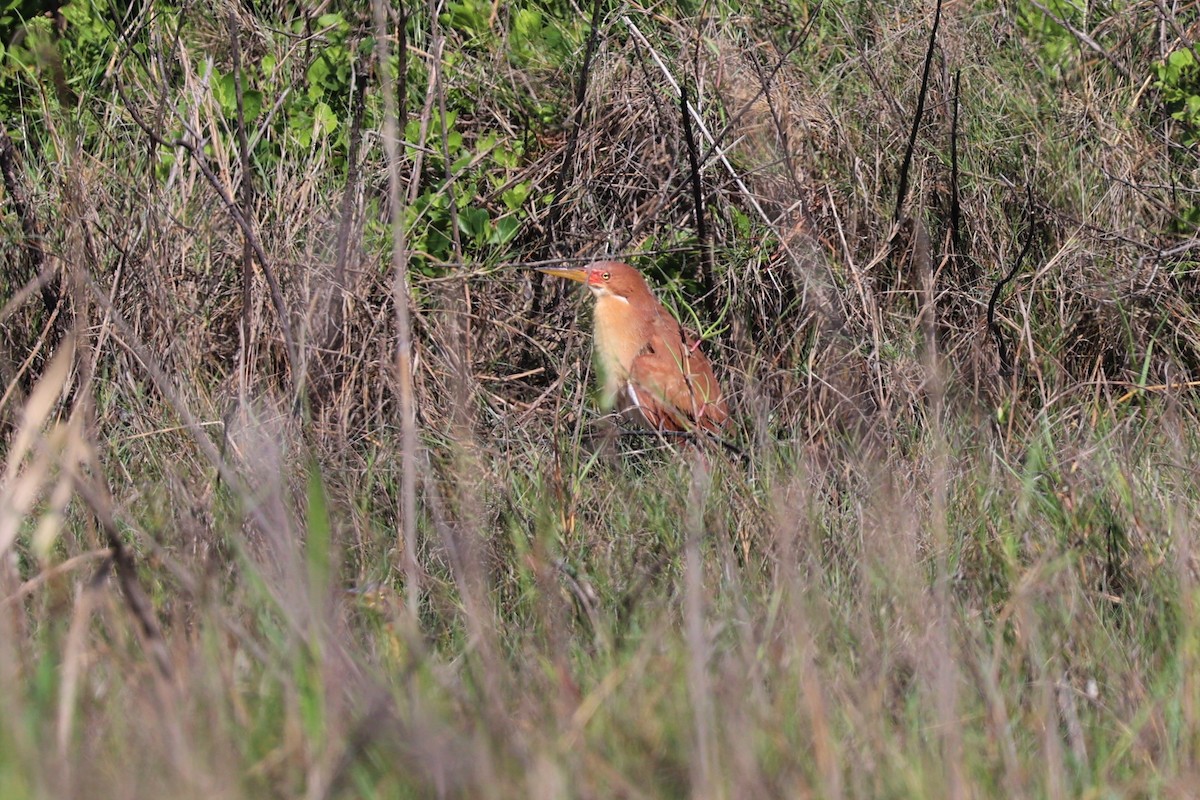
(232, 570)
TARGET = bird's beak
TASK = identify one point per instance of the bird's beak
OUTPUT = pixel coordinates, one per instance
(577, 274)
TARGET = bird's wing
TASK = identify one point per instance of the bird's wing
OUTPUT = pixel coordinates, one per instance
(672, 382)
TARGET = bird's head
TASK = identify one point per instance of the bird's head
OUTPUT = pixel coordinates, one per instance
(606, 279)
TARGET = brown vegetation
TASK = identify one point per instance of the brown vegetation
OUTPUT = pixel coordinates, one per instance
(930, 576)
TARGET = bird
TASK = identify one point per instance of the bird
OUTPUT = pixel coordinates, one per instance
(653, 370)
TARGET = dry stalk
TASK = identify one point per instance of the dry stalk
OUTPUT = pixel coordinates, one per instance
(192, 147)
(704, 766)
(401, 297)
(246, 209)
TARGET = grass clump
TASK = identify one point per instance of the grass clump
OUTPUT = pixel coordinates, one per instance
(233, 567)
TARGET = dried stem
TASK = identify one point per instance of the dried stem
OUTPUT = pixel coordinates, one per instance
(246, 208)
(400, 300)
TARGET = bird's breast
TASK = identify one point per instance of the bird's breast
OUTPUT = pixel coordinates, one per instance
(619, 337)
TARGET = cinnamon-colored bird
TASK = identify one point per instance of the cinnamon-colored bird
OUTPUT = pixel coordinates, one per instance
(652, 368)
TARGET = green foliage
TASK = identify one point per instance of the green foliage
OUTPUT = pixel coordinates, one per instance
(477, 173)
(1055, 44)
(316, 113)
(1178, 82)
(473, 19)
(42, 67)
(89, 43)
(1178, 79)
(468, 190)
(225, 91)
(325, 104)
(538, 41)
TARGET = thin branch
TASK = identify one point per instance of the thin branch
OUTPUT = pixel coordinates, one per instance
(247, 203)
(345, 224)
(703, 128)
(955, 206)
(326, 380)
(902, 191)
(706, 245)
(798, 39)
(1001, 345)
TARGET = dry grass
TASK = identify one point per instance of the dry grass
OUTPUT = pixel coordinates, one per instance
(924, 580)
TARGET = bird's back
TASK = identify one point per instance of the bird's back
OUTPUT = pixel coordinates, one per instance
(653, 368)
(672, 381)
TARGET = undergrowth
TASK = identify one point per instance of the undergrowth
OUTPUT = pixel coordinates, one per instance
(255, 545)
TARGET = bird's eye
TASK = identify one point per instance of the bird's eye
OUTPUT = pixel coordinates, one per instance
(606, 275)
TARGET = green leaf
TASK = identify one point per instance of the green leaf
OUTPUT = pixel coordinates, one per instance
(252, 103)
(515, 197)
(438, 244)
(300, 123)
(318, 73)
(505, 158)
(474, 222)
(412, 131)
(505, 229)
(325, 119)
(225, 94)
(1181, 59)
(336, 21)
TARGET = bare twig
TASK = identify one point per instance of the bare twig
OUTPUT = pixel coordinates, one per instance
(734, 175)
(1001, 345)
(247, 206)
(902, 190)
(829, 301)
(706, 245)
(328, 380)
(714, 142)
(346, 223)
(955, 207)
